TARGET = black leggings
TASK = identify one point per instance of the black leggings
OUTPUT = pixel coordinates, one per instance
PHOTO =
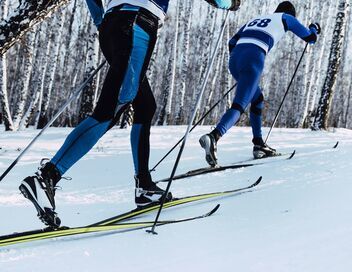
(127, 39)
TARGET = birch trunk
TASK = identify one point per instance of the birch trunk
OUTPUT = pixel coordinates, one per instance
(26, 15)
(43, 119)
(171, 74)
(6, 114)
(88, 93)
(180, 118)
(322, 114)
(23, 88)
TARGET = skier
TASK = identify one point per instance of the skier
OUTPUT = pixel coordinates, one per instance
(127, 35)
(248, 49)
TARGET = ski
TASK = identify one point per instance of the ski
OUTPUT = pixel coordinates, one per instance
(115, 223)
(175, 202)
(18, 238)
(243, 164)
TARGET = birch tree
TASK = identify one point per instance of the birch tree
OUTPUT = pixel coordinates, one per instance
(171, 74)
(23, 87)
(184, 61)
(6, 114)
(92, 57)
(23, 18)
(43, 118)
(322, 114)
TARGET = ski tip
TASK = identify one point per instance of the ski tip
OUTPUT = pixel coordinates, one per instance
(213, 210)
(292, 155)
(257, 182)
(337, 143)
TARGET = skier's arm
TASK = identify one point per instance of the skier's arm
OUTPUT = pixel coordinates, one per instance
(225, 4)
(96, 10)
(234, 40)
(292, 24)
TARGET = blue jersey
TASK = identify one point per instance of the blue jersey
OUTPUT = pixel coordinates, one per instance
(266, 31)
(157, 7)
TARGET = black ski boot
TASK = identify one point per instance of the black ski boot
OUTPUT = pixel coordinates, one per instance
(147, 193)
(262, 150)
(209, 143)
(40, 190)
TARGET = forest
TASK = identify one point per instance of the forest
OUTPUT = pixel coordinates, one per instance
(45, 56)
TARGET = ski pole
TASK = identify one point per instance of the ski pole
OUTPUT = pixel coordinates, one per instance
(194, 126)
(222, 29)
(74, 96)
(288, 88)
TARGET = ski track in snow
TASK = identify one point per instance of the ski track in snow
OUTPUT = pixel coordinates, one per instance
(297, 219)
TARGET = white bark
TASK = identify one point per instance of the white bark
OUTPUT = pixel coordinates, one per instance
(23, 18)
(184, 62)
(23, 88)
(322, 114)
(52, 70)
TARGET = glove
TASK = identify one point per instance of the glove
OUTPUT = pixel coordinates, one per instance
(316, 26)
(235, 5)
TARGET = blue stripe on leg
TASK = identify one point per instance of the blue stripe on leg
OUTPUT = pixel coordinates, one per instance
(79, 142)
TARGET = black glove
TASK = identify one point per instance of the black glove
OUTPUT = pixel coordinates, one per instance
(235, 5)
(316, 26)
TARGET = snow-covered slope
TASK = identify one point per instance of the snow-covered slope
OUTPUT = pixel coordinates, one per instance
(298, 219)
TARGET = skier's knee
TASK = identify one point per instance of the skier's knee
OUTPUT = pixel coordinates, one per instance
(255, 110)
(102, 115)
(257, 105)
(145, 115)
(236, 106)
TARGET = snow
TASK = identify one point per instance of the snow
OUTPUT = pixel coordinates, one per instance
(297, 219)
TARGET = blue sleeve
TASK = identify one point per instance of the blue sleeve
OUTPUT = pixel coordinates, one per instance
(293, 25)
(96, 10)
(234, 40)
(225, 4)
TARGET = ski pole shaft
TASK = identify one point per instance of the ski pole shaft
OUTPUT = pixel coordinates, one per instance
(74, 96)
(190, 124)
(194, 126)
(288, 88)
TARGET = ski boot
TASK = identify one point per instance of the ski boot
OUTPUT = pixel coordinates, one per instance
(40, 190)
(209, 143)
(147, 193)
(262, 150)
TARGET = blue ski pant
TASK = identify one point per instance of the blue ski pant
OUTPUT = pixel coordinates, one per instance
(246, 65)
(127, 38)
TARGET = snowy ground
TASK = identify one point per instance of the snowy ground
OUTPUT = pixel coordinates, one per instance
(298, 219)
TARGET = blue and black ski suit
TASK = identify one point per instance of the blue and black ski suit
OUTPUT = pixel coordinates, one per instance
(127, 35)
(248, 49)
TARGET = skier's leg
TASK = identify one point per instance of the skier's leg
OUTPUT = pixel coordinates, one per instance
(128, 54)
(122, 41)
(247, 85)
(40, 188)
(260, 148)
(246, 65)
(144, 108)
(257, 105)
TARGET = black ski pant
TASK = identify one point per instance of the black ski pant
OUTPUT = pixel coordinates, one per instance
(127, 39)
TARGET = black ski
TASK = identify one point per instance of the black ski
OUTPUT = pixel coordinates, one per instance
(243, 164)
